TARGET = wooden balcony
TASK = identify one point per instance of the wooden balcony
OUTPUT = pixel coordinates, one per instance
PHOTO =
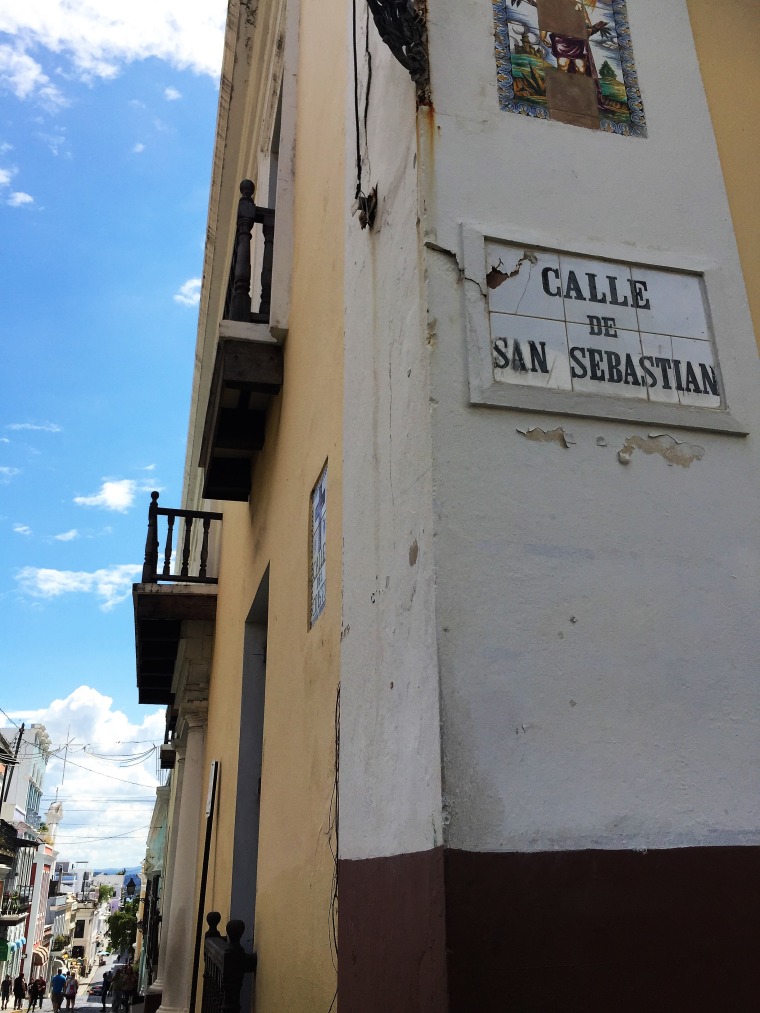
(248, 371)
(225, 965)
(172, 592)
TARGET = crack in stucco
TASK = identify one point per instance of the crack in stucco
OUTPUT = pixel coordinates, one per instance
(682, 454)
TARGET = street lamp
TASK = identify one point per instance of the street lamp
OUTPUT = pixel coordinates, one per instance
(130, 888)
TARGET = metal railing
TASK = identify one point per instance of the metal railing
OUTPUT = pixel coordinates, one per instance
(151, 574)
(16, 902)
(225, 965)
(237, 304)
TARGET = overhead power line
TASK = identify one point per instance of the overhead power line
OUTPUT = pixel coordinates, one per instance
(91, 770)
(110, 837)
(9, 718)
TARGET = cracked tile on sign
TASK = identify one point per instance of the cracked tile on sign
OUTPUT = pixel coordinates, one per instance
(676, 304)
(594, 291)
(548, 337)
(660, 346)
(699, 354)
(524, 293)
(626, 343)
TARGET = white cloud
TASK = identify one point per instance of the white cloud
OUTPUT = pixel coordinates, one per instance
(6, 175)
(107, 834)
(16, 200)
(5, 147)
(56, 142)
(37, 427)
(20, 73)
(99, 39)
(117, 494)
(22, 529)
(149, 467)
(189, 293)
(171, 94)
(138, 148)
(6, 474)
(67, 536)
(111, 585)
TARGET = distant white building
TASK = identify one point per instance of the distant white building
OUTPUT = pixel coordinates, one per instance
(105, 879)
(27, 885)
(25, 779)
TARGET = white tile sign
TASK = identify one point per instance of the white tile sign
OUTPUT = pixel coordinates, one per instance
(569, 323)
(318, 576)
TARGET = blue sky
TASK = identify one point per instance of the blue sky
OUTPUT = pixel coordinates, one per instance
(107, 122)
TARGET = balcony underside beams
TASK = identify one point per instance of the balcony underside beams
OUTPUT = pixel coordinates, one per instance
(160, 611)
(247, 375)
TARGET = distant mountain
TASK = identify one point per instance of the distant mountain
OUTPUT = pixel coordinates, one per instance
(131, 870)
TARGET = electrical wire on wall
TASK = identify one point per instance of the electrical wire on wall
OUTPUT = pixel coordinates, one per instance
(332, 839)
(364, 204)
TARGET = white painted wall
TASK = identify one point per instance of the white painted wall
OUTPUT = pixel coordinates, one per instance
(390, 794)
(596, 622)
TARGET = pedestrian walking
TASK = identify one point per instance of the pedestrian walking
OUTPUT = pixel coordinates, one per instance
(129, 987)
(41, 985)
(19, 991)
(31, 995)
(5, 991)
(106, 988)
(57, 985)
(70, 991)
(117, 983)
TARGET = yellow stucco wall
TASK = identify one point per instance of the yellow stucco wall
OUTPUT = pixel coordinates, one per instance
(727, 36)
(304, 429)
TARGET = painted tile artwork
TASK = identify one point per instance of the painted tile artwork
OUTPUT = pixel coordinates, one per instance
(568, 60)
(318, 575)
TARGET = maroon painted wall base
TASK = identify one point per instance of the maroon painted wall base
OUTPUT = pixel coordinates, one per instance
(391, 934)
(152, 1002)
(551, 932)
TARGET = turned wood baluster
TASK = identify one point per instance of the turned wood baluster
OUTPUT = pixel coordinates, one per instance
(240, 308)
(168, 551)
(151, 542)
(204, 548)
(267, 227)
(235, 965)
(186, 547)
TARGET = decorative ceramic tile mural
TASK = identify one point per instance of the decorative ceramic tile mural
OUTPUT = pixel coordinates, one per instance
(318, 576)
(568, 60)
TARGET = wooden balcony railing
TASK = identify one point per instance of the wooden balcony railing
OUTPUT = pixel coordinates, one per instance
(237, 305)
(225, 964)
(151, 574)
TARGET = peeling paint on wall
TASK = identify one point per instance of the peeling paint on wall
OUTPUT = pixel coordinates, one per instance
(551, 436)
(671, 450)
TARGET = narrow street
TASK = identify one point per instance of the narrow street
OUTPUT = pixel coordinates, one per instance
(84, 1001)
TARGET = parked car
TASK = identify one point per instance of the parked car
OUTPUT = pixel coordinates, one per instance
(96, 988)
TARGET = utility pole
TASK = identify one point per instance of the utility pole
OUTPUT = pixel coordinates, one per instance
(9, 771)
(65, 754)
